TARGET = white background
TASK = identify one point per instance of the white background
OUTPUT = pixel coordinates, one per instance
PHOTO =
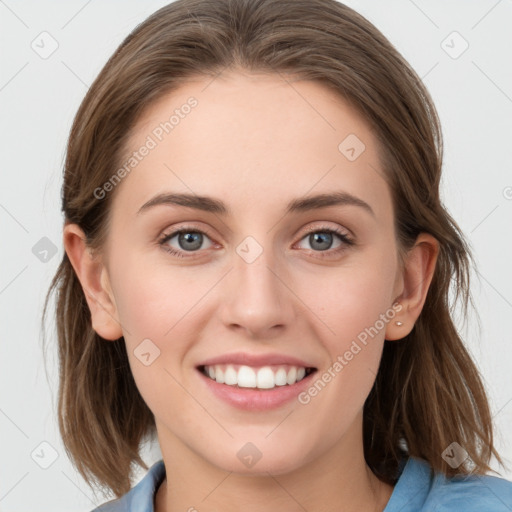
(38, 99)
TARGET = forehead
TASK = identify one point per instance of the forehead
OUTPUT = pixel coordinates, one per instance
(255, 140)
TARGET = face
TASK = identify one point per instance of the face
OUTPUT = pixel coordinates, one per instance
(250, 281)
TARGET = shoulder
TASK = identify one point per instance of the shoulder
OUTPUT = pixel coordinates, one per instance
(421, 489)
(139, 498)
(472, 493)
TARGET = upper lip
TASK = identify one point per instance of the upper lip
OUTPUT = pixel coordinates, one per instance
(256, 360)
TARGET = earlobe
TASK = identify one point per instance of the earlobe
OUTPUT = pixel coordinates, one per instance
(417, 275)
(93, 277)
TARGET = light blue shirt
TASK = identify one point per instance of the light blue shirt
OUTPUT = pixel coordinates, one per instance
(415, 491)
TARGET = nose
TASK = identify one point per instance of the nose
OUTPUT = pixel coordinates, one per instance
(258, 299)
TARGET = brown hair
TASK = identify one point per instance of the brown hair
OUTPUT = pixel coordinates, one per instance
(428, 392)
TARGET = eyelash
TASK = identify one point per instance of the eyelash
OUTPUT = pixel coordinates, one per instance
(347, 241)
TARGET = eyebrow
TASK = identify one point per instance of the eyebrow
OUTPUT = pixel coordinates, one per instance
(301, 204)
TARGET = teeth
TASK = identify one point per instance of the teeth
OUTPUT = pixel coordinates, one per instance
(280, 377)
(219, 376)
(266, 377)
(292, 376)
(230, 377)
(246, 377)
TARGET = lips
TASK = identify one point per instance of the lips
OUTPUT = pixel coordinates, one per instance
(264, 371)
(256, 360)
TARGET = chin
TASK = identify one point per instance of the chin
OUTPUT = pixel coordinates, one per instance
(250, 460)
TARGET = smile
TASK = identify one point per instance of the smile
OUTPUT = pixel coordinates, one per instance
(265, 377)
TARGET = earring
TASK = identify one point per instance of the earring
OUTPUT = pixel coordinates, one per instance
(398, 321)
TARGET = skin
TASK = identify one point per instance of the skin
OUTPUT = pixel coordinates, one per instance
(255, 142)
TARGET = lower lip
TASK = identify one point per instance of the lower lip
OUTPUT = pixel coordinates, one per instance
(252, 399)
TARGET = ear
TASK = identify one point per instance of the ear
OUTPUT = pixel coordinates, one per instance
(416, 276)
(95, 282)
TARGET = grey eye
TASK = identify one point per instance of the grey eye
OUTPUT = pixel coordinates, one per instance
(188, 240)
(321, 240)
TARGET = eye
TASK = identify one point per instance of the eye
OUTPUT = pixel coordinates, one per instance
(187, 240)
(190, 240)
(321, 240)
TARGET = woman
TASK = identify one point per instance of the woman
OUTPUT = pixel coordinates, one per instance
(257, 271)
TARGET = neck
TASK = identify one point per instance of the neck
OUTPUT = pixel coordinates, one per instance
(338, 480)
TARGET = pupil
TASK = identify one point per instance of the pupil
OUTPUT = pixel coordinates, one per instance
(191, 237)
(322, 238)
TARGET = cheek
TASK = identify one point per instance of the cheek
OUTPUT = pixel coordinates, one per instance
(152, 300)
(351, 303)
(350, 299)
(155, 306)
(163, 305)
